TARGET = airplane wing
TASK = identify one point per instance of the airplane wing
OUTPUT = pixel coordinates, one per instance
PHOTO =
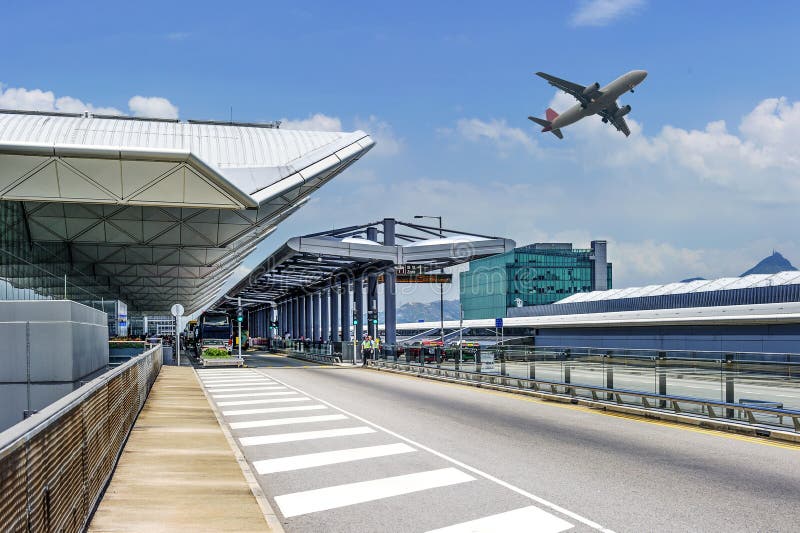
(609, 114)
(576, 90)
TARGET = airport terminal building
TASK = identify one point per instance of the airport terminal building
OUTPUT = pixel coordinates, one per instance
(106, 218)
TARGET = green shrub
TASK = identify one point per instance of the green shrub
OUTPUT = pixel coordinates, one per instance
(215, 353)
(125, 344)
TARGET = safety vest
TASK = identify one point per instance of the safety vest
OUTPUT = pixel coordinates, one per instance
(366, 344)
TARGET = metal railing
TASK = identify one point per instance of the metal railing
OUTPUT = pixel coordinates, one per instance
(55, 465)
(753, 412)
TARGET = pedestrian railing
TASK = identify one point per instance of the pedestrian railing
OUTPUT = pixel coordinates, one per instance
(746, 411)
(55, 465)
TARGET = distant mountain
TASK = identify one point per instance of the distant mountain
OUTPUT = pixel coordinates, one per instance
(771, 265)
(687, 280)
(429, 312)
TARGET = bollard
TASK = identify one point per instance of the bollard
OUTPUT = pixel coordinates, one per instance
(532, 369)
(609, 379)
(503, 363)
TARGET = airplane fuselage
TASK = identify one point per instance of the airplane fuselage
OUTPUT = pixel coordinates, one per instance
(609, 95)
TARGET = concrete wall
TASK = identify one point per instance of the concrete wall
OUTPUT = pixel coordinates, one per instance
(68, 343)
(783, 338)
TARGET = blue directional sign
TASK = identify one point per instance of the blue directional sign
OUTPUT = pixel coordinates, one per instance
(498, 322)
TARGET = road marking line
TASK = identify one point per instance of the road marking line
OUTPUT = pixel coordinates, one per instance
(304, 435)
(528, 519)
(311, 460)
(249, 381)
(261, 402)
(263, 410)
(242, 394)
(285, 421)
(255, 402)
(311, 501)
(485, 475)
(230, 380)
(261, 388)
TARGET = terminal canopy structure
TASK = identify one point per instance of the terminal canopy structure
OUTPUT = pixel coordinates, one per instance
(307, 282)
(148, 211)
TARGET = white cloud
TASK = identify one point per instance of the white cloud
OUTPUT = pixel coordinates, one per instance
(386, 142)
(152, 107)
(603, 12)
(38, 100)
(316, 122)
(496, 131)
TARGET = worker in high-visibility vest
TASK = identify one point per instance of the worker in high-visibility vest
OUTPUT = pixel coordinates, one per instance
(366, 349)
(376, 346)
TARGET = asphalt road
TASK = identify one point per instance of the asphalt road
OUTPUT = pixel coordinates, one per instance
(352, 449)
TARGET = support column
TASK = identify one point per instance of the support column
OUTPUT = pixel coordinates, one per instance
(389, 288)
(308, 332)
(316, 306)
(324, 318)
(301, 316)
(346, 317)
(334, 307)
(295, 303)
(372, 290)
(358, 298)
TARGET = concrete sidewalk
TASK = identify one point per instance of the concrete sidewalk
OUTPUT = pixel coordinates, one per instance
(178, 471)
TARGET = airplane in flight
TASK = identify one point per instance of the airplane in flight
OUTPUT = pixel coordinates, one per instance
(592, 100)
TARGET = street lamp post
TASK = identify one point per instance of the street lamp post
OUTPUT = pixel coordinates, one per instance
(441, 286)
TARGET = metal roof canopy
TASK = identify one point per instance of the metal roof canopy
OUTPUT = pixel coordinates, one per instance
(160, 211)
(312, 262)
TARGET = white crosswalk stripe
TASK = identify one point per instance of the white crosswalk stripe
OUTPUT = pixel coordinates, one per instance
(305, 435)
(237, 382)
(253, 394)
(264, 410)
(260, 402)
(261, 388)
(285, 421)
(528, 520)
(311, 501)
(255, 402)
(234, 380)
(298, 462)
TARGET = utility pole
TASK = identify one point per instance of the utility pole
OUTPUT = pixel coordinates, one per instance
(239, 319)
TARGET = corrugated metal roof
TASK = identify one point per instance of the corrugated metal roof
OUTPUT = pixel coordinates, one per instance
(218, 145)
(753, 280)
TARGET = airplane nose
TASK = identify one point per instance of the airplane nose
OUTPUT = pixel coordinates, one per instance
(640, 75)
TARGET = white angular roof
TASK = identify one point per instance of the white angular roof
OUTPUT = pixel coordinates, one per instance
(165, 210)
(703, 285)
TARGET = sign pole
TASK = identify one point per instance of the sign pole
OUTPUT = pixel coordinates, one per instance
(239, 321)
(177, 312)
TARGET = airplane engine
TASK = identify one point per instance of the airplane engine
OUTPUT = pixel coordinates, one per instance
(622, 111)
(591, 89)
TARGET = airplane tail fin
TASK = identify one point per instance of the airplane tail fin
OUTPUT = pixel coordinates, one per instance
(547, 124)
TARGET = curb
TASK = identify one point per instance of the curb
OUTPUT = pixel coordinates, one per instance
(273, 523)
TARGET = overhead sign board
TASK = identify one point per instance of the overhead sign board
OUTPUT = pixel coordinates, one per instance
(421, 278)
(498, 322)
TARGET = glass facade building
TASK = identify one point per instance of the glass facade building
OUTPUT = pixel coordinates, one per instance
(537, 274)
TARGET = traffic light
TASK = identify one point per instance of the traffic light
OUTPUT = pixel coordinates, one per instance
(355, 318)
(373, 316)
(239, 315)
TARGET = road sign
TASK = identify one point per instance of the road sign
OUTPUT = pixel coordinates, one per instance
(498, 322)
(176, 310)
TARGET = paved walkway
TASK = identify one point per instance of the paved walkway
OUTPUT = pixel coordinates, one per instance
(178, 472)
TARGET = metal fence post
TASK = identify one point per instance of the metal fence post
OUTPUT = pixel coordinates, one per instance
(730, 396)
(662, 378)
(609, 375)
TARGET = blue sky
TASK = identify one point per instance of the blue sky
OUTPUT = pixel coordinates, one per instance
(706, 185)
